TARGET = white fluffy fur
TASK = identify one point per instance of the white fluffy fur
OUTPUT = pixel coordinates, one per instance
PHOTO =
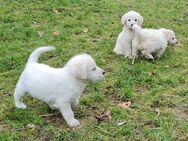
(124, 40)
(60, 88)
(152, 41)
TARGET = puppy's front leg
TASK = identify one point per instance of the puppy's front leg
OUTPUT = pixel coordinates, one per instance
(135, 46)
(158, 55)
(128, 51)
(69, 115)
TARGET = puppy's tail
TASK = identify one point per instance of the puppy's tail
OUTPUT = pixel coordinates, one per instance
(33, 58)
(138, 30)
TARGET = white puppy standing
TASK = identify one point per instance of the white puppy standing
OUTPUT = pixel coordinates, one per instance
(152, 42)
(59, 87)
(124, 40)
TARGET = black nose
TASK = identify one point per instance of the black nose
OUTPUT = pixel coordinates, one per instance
(103, 72)
(176, 42)
(132, 24)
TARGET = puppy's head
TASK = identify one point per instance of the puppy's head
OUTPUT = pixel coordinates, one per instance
(83, 67)
(170, 36)
(131, 18)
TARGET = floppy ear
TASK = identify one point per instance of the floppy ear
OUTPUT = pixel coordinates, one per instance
(167, 33)
(140, 20)
(78, 69)
(123, 19)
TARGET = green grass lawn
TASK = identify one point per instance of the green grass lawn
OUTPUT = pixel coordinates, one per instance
(158, 90)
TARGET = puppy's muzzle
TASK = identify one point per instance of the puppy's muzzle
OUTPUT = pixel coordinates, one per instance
(176, 45)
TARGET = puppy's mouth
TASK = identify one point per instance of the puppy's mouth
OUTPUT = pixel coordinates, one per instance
(176, 45)
(173, 45)
(130, 28)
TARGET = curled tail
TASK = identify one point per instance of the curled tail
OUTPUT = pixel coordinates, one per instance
(33, 58)
(138, 30)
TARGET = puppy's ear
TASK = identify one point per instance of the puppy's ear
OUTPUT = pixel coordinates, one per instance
(123, 19)
(79, 69)
(140, 20)
(167, 33)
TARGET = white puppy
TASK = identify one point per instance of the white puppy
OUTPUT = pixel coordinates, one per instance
(152, 42)
(59, 87)
(124, 40)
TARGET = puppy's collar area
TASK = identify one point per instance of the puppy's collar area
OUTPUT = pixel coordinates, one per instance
(71, 75)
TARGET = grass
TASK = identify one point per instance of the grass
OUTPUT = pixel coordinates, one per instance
(158, 91)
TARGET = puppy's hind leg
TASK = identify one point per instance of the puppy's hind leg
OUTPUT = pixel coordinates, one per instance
(147, 55)
(18, 94)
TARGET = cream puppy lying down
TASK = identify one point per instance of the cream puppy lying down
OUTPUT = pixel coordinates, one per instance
(124, 41)
(152, 42)
(60, 88)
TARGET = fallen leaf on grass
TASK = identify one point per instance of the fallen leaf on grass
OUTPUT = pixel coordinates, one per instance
(31, 125)
(35, 24)
(41, 33)
(158, 112)
(95, 40)
(56, 33)
(167, 66)
(104, 116)
(185, 138)
(152, 73)
(121, 123)
(55, 11)
(85, 30)
(124, 105)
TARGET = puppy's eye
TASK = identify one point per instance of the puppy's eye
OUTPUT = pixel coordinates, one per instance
(94, 69)
(129, 20)
(136, 20)
(172, 38)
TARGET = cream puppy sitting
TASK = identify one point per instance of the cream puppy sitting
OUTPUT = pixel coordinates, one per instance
(124, 40)
(60, 88)
(152, 42)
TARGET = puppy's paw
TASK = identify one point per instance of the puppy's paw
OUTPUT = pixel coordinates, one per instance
(151, 59)
(21, 106)
(131, 57)
(135, 27)
(128, 56)
(74, 123)
(53, 106)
